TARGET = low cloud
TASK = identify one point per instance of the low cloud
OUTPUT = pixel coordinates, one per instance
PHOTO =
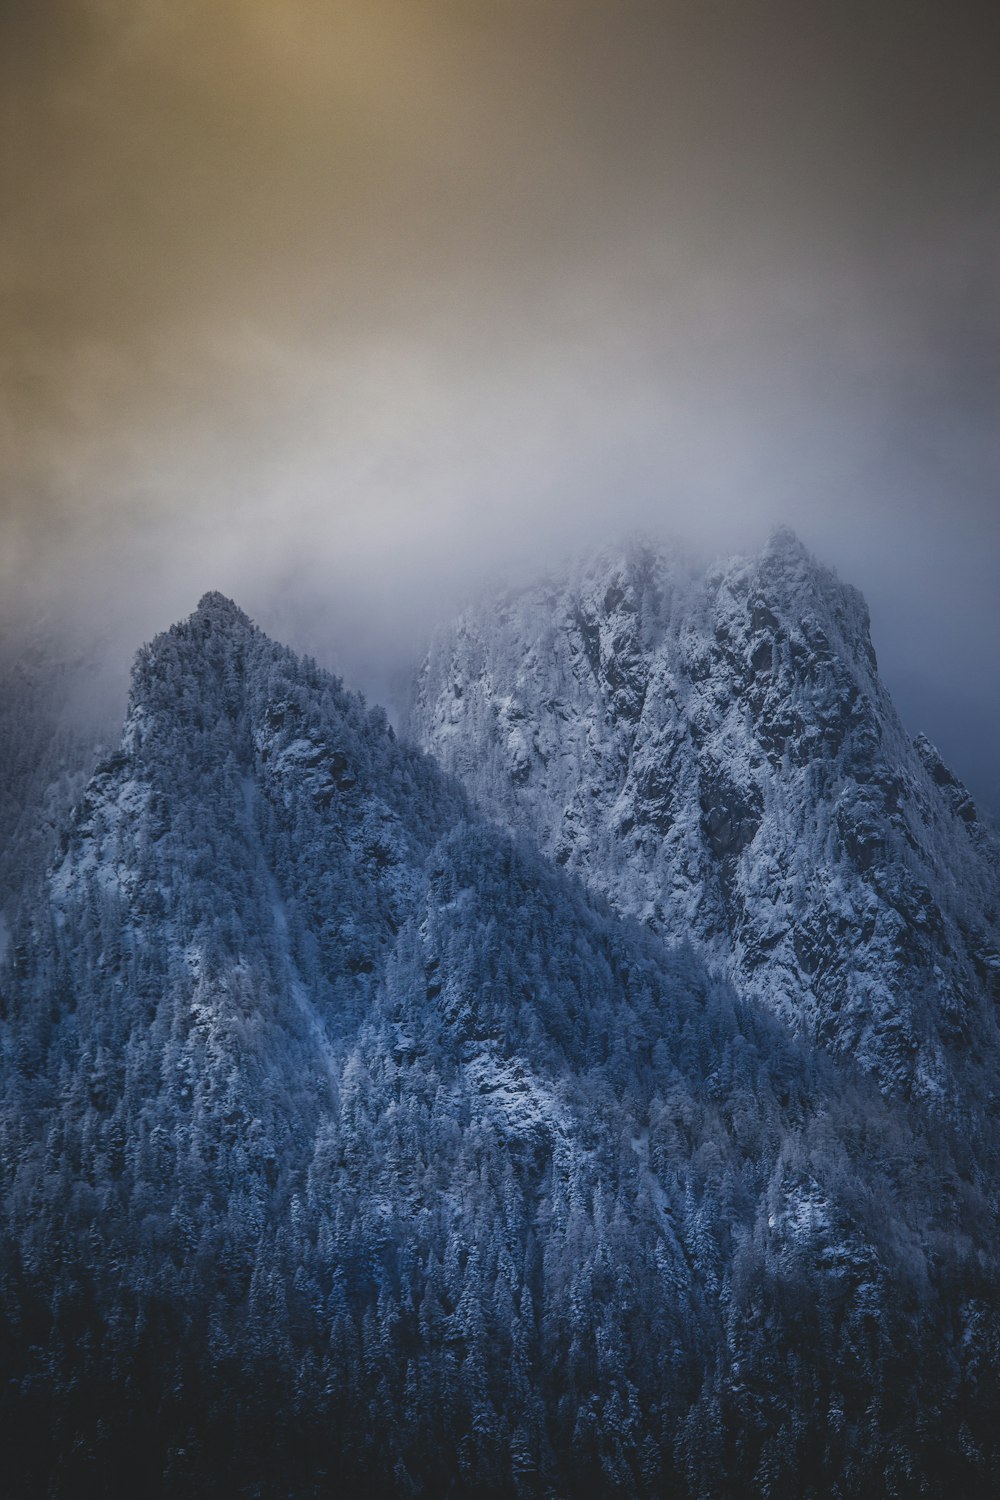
(361, 304)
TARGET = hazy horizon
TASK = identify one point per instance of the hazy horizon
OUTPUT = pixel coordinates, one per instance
(344, 308)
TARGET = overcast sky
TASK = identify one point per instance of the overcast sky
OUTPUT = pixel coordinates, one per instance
(339, 307)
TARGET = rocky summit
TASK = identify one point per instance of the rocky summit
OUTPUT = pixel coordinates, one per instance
(716, 753)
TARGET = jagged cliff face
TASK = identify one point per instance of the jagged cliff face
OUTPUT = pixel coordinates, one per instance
(717, 754)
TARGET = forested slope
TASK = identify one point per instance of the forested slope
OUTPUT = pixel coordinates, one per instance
(350, 1146)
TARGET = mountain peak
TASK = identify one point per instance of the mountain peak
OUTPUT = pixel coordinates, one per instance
(787, 561)
(218, 608)
(784, 541)
(718, 757)
(201, 651)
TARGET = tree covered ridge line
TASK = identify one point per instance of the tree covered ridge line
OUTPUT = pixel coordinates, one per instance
(348, 1143)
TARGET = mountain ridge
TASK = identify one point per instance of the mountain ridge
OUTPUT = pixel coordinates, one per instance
(681, 742)
(345, 1138)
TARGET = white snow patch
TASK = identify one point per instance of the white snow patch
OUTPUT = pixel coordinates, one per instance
(511, 1090)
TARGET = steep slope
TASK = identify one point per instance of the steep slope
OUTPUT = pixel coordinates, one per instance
(347, 1143)
(717, 754)
(55, 720)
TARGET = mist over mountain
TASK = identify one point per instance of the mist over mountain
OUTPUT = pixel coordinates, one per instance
(716, 752)
(360, 297)
(578, 1075)
(622, 1122)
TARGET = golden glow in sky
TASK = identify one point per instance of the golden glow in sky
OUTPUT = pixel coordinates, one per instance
(377, 295)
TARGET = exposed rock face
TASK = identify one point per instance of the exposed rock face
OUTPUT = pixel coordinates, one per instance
(717, 754)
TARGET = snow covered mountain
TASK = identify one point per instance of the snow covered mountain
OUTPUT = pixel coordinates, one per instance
(716, 753)
(349, 1143)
